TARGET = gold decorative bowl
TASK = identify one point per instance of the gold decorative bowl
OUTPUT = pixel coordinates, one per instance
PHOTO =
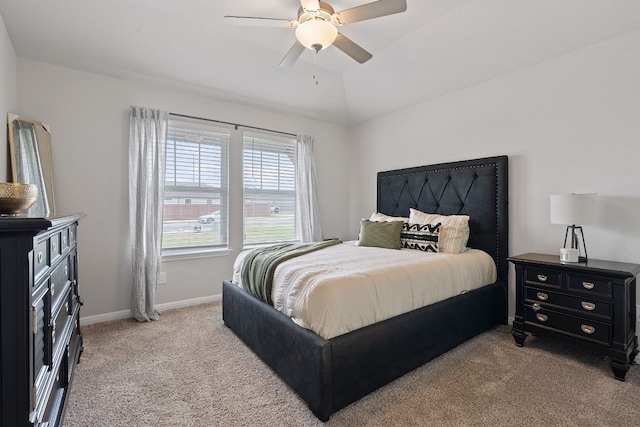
(16, 197)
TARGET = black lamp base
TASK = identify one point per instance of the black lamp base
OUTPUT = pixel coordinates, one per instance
(577, 241)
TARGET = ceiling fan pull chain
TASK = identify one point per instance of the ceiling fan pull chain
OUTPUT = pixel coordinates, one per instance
(315, 66)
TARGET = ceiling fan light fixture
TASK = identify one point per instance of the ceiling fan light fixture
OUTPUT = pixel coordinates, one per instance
(316, 34)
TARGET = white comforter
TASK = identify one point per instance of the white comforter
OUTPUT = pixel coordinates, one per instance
(345, 287)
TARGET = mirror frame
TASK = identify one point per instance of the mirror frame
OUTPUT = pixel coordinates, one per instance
(31, 161)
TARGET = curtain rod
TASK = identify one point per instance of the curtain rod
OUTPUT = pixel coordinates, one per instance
(235, 125)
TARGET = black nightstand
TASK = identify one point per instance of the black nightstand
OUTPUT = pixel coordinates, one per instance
(588, 304)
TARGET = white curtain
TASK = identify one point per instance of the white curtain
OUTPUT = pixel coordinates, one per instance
(147, 147)
(308, 222)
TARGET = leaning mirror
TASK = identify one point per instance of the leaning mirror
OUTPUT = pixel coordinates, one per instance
(30, 150)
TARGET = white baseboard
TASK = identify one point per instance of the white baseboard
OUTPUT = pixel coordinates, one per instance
(126, 314)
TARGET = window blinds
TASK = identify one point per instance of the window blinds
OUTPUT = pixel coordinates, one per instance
(196, 186)
(269, 188)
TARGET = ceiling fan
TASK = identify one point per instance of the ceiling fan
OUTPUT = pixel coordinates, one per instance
(316, 26)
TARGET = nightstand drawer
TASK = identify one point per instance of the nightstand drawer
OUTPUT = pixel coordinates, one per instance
(583, 328)
(581, 305)
(589, 285)
(543, 277)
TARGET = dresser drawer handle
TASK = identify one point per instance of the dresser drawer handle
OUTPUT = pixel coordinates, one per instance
(542, 277)
(542, 296)
(588, 305)
(587, 329)
(39, 257)
(535, 306)
(588, 285)
(542, 317)
(53, 247)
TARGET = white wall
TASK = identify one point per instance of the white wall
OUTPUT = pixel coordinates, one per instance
(8, 94)
(571, 124)
(89, 118)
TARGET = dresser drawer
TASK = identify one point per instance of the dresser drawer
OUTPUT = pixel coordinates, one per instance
(579, 327)
(54, 402)
(55, 248)
(75, 346)
(581, 305)
(60, 281)
(589, 285)
(59, 328)
(544, 277)
(72, 234)
(40, 329)
(40, 259)
(64, 240)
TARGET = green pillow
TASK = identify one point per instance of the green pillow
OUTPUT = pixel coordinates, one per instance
(380, 234)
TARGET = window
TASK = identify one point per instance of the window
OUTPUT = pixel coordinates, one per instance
(196, 186)
(269, 185)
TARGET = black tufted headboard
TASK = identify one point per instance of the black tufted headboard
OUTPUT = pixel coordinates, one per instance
(478, 188)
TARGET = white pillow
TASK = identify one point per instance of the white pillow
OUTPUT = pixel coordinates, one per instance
(454, 231)
(380, 217)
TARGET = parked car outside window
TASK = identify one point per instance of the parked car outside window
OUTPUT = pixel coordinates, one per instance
(209, 218)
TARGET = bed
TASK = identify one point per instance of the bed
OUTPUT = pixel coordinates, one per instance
(329, 374)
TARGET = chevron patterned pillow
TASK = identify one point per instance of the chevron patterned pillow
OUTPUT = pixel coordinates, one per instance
(380, 234)
(454, 232)
(423, 237)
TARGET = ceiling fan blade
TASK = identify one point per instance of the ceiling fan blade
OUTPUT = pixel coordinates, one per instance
(292, 56)
(371, 10)
(352, 49)
(310, 4)
(260, 22)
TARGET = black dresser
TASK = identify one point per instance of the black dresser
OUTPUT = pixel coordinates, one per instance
(39, 312)
(589, 304)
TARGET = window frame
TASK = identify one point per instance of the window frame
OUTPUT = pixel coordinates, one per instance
(220, 192)
(280, 195)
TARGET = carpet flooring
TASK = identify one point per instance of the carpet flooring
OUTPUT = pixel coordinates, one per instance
(188, 369)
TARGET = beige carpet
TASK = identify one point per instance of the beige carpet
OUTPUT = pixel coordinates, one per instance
(188, 369)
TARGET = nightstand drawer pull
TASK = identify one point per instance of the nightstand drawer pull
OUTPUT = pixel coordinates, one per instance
(542, 277)
(587, 329)
(543, 317)
(535, 306)
(588, 305)
(588, 285)
(542, 296)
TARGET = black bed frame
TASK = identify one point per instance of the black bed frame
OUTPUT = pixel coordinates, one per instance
(330, 374)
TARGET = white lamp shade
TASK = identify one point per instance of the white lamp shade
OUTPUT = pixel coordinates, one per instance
(316, 32)
(574, 209)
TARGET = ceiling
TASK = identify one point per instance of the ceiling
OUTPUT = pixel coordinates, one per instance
(435, 47)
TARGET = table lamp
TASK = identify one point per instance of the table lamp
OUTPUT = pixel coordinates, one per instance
(574, 210)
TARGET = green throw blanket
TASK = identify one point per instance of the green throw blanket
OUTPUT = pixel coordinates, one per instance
(260, 264)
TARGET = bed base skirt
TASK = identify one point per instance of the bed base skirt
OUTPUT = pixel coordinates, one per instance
(331, 374)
